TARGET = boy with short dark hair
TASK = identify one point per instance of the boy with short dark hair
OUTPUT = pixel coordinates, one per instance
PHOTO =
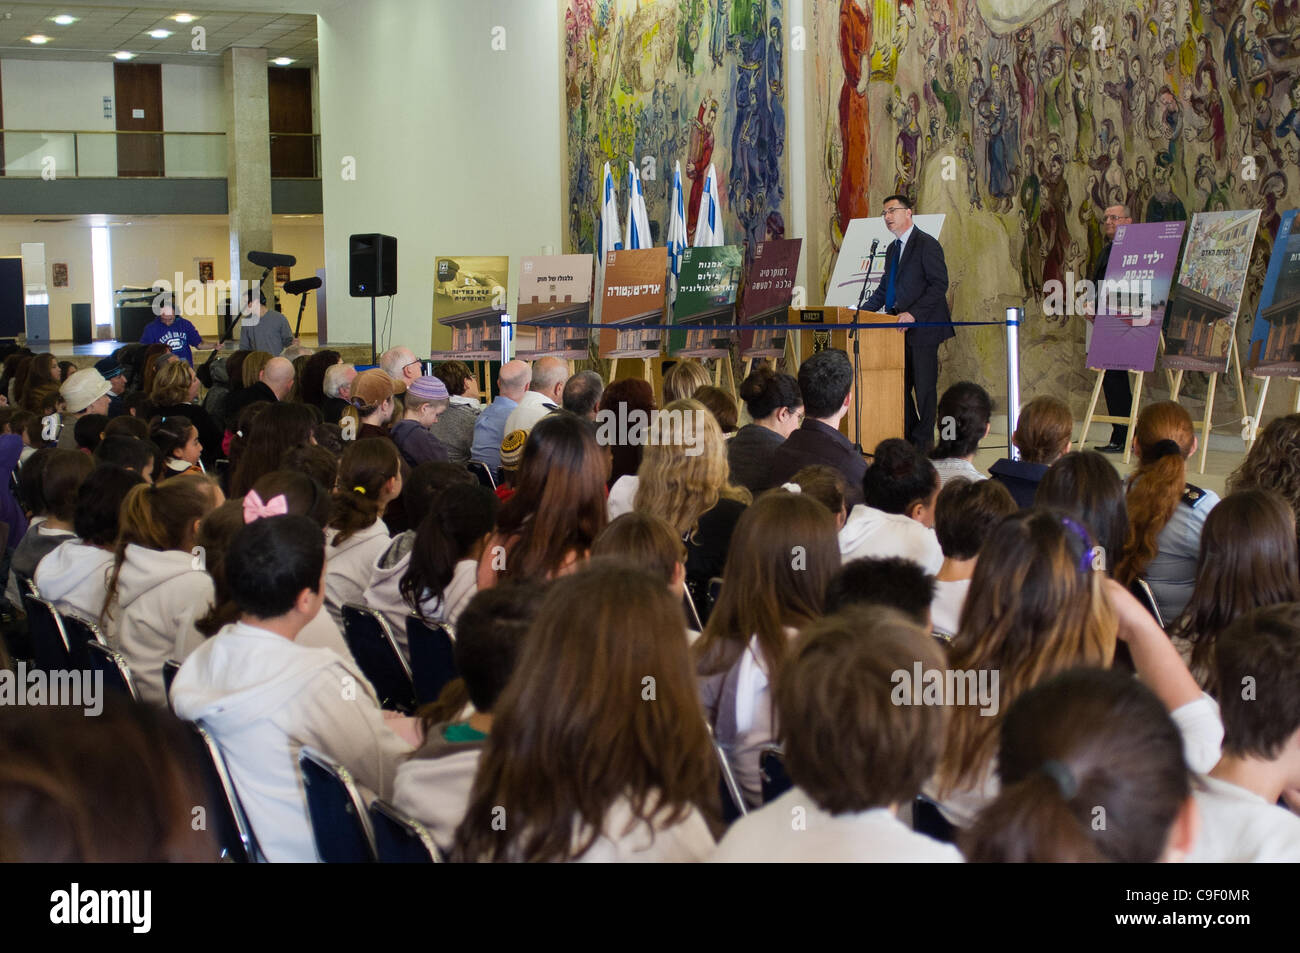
(964, 516)
(886, 581)
(263, 696)
(855, 754)
(897, 517)
(1258, 662)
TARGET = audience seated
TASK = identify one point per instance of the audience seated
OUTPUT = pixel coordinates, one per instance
(626, 399)
(370, 478)
(683, 379)
(719, 403)
(543, 396)
(60, 475)
(1085, 485)
(825, 485)
(854, 755)
(1241, 821)
(434, 785)
(1272, 463)
(178, 441)
(963, 415)
(623, 774)
(263, 696)
(650, 543)
(425, 401)
(897, 517)
(1165, 512)
(455, 427)
(582, 394)
(490, 427)
(964, 516)
(1042, 436)
(337, 388)
(782, 558)
(775, 406)
(266, 437)
(174, 391)
(883, 581)
(826, 383)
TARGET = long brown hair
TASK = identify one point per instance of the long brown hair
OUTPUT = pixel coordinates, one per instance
(1273, 462)
(1036, 607)
(558, 507)
(1247, 561)
(159, 516)
(171, 385)
(277, 430)
(41, 371)
(367, 465)
(573, 733)
(783, 553)
(1165, 440)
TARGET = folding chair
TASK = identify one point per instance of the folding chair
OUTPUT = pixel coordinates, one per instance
(49, 640)
(368, 637)
(927, 819)
(339, 821)
(733, 801)
(692, 617)
(80, 634)
(483, 472)
(117, 674)
(1142, 592)
(235, 837)
(433, 662)
(771, 769)
(170, 668)
(400, 839)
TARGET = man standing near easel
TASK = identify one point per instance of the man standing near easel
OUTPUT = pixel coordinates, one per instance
(1119, 397)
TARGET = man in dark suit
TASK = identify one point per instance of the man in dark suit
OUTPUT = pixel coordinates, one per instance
(1114, 384)
(915, 288)
(826, 383)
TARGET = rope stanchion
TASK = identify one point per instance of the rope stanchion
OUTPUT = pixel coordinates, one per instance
(819, 326)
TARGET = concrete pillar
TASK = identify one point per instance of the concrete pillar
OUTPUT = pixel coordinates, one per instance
(248, 158)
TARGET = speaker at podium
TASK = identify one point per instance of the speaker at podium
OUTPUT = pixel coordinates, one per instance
(879, 382)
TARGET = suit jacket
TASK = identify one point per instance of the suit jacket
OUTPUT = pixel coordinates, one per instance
(922, 288)
(816, 443)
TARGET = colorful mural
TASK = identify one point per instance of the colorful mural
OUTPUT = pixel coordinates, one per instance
(689, 81)
(1024, 120)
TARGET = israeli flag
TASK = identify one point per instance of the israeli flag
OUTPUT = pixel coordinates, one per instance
(637, 234)
(708, 226)
(609, 230)
(676, 230)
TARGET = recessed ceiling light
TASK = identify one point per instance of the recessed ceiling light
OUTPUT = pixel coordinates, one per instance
(64, 19)
(37, 38)
(282, 61)
(183, 18)
(123, 55)
(160, 34)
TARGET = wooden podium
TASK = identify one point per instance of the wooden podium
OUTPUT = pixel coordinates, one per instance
(880, 372)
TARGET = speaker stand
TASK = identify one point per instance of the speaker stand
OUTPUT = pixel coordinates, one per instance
(374, 341)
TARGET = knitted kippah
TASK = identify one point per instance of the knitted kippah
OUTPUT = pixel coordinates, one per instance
(512, 449)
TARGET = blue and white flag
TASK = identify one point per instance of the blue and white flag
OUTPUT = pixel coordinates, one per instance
(637, 234)
(609, 230)
(676, 231)
(708, 226)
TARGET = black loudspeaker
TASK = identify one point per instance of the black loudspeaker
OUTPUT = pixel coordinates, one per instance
(372, 266)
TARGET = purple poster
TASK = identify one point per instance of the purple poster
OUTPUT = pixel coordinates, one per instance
(1130, 304)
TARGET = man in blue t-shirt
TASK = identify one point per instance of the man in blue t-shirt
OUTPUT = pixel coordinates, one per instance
(176, 332)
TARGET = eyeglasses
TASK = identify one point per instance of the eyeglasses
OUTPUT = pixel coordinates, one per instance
(896, 208)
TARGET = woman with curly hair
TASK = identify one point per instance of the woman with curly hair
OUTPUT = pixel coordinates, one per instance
(1273, 463)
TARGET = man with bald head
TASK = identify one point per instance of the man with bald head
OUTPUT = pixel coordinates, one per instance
(490, 428)
(545, 394)
(401, 364)
(1115, 385)
(278, 376)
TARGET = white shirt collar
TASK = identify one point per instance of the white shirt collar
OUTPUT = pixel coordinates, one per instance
(902, 239)
(461, 399)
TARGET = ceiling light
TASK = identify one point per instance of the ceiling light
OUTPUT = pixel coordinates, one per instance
(183, 18)
(160, 34)
(282, 61)
(64, 19)
(37, 38)
(123, 55)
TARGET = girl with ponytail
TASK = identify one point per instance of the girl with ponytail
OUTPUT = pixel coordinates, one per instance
(1084, 746)
(159, 586)
(370, 477)
(433, 571)
(1166, 513)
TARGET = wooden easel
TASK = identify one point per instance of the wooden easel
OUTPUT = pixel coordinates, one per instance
(1131, 420)
(724, 377)
(1234, 363)
(1253, 427)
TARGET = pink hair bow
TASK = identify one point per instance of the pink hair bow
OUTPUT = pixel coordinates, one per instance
(255, 509)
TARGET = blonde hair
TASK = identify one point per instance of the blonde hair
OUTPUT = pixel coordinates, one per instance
(675, 484)
(172, 384)
(253, 365)
(683, 379)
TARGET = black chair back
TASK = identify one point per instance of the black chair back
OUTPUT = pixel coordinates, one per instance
(1142, 592)
(400, 839)
(117, 674)
(234, 835)
(433, 662)
(339, 821)
(483, 472)
(49, 640)
(80, 634)
(927, 819)
(771, 767)
(372, 645)
(170, 668)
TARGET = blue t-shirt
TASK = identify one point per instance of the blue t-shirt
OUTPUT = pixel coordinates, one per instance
(179, 336)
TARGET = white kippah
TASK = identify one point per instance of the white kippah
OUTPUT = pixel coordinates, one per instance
(792, 487)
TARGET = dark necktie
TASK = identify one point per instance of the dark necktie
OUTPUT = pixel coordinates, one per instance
(891, 290)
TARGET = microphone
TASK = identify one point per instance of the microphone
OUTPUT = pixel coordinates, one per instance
(871, 260)
(302, 285)
(267, 259)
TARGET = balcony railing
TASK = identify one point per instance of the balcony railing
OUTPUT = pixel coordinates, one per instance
(110, 154)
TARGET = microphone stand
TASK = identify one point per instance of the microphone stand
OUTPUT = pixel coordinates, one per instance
(857, 354)
(239, 315)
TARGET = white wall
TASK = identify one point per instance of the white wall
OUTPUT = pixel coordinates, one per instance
(457, 147)
(64, 243)
(194, 101)
(45, 94)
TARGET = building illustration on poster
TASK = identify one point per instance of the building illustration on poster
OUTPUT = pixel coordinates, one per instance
(1275, 338)
(1134, 295)
(554, 296)
(706, 295)
(768, 293)
(635, 287)
(1203, 305)
(469, 297)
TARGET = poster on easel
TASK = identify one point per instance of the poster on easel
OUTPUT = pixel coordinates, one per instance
(1205, 299)
(768, 291)
(554, 294)
(1275, 339)
(706, 295)
(469, 297)
(1131, 302)
(634, 294)
(854, 264)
